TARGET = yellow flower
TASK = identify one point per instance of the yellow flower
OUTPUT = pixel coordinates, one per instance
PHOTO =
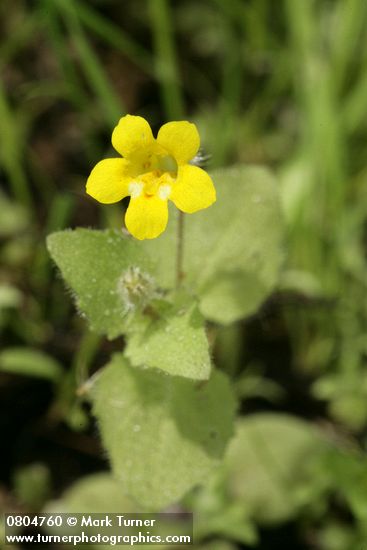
(151, 172)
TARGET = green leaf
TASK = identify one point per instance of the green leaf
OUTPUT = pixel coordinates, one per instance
(268, 463)
(96, 493)
(350, 409)
(164, 434)
(14, 217)
(230, 296)
(112, 277)
(108, 272)
(101, 493)
(32, 485)
(10, 296)
(232, 523)
(30, 362)
(216, 515)
(233, 251)
(175, 343)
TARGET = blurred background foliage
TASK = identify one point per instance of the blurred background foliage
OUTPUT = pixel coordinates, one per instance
(277, 83)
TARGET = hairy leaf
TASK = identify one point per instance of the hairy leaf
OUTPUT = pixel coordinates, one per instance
(164, 434)
(108, 272)
(233, 251)
(175, 343)
(269, 464)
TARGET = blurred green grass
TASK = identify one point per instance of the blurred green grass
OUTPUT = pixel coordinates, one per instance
(280, 83)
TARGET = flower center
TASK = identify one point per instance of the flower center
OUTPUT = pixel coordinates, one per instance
(164, 192)
(159, 173)
(163, 163)
(151, 182)
(167, 164)
(135, 189)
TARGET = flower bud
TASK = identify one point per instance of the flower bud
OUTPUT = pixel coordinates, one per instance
(136, 288)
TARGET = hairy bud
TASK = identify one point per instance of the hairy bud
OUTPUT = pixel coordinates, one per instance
(136, 288)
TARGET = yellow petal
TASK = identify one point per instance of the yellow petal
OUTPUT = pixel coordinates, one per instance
(180, 139)
(132, 135)
(108, 182)
(146, 217)
(193, 190)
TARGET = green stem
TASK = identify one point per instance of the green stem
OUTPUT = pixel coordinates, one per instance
(180, 249)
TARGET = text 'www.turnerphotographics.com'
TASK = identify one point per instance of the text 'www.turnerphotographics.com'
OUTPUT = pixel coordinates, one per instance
(109, 529)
